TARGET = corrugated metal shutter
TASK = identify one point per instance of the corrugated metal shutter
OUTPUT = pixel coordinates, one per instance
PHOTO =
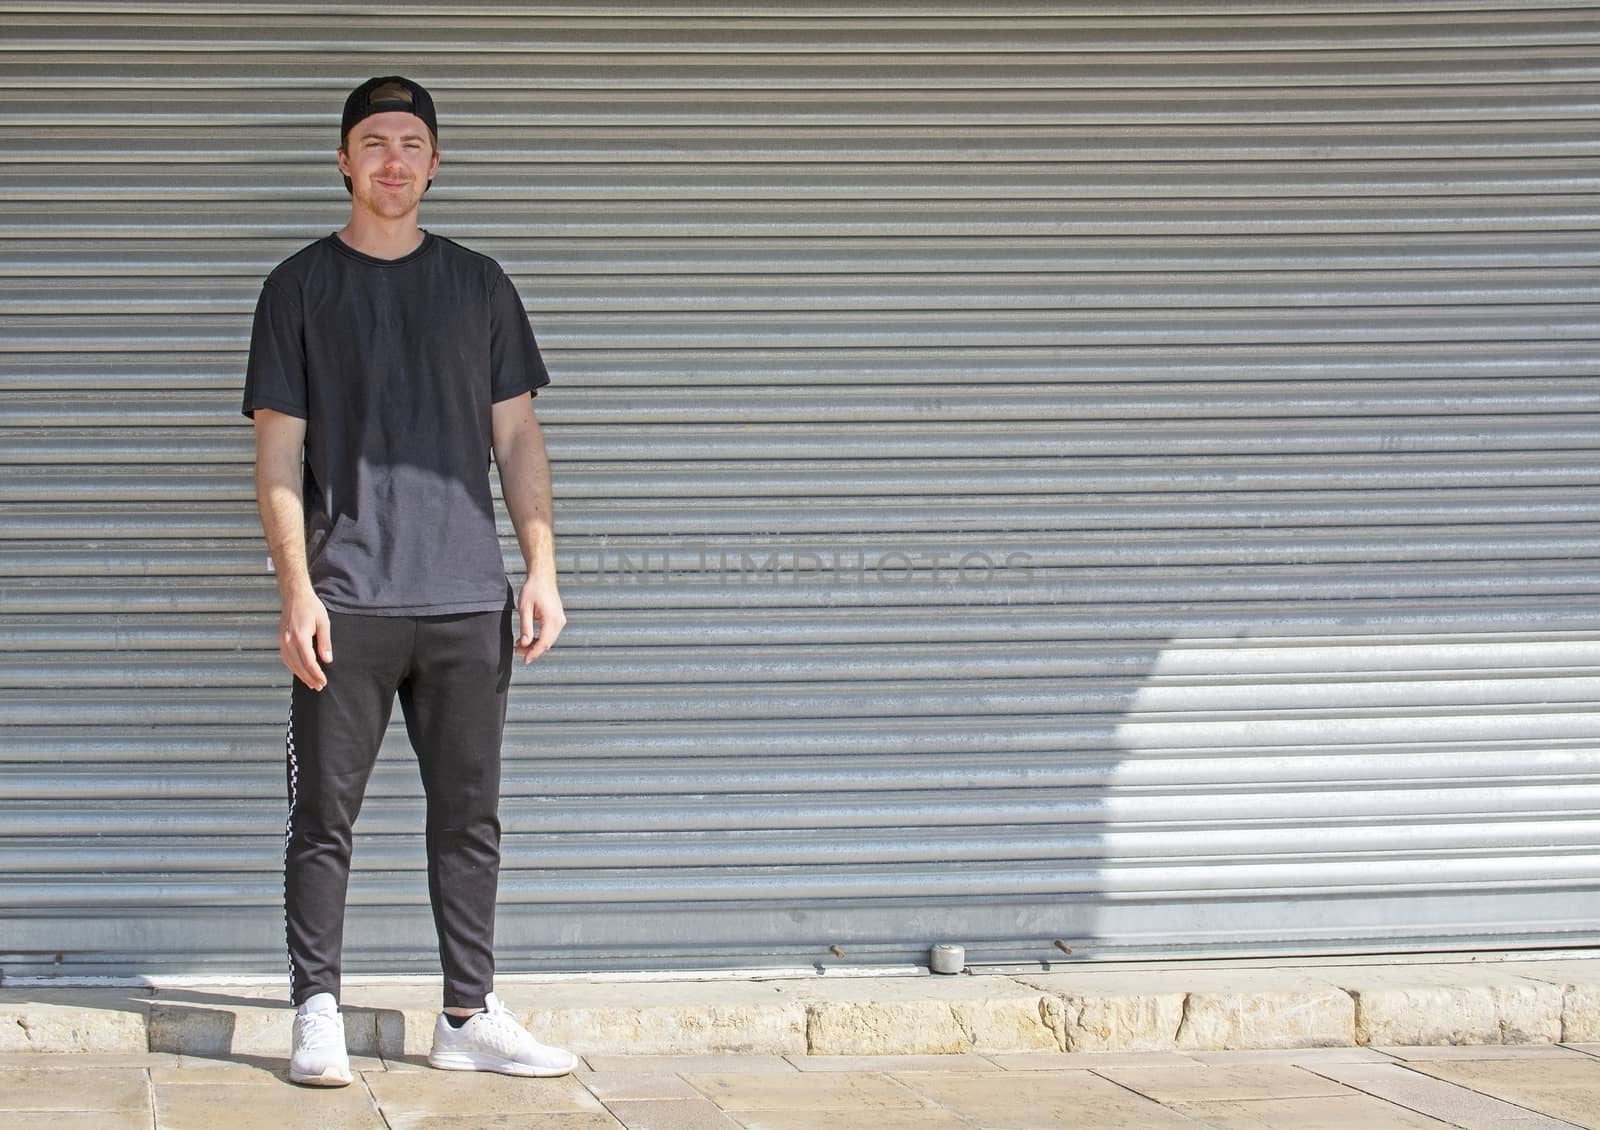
(1113, 472)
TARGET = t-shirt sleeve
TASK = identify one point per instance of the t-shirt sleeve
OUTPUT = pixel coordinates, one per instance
(514, 361)
(275, 376)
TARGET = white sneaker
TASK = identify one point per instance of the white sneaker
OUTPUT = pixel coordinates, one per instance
(319, 1057)
(492, 1040)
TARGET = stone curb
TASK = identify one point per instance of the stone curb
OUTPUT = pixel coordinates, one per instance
(1087, 1009)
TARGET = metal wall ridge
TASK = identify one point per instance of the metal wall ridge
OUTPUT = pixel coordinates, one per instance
(235, 31)
(636, 9)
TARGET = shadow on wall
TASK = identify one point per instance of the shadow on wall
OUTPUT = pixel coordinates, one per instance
(1315, 765)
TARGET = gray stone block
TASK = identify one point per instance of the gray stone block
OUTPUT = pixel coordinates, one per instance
(925, 1016)
(102, 1021)
(1450, 1004)
(666, 1018)
(1097, 1012)
(1304, 1016)
(1579, 981)
(1198, 1010)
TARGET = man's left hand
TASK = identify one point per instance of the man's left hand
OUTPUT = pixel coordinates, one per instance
(540, 618)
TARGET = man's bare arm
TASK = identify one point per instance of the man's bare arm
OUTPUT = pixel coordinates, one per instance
(304, 633)
(525, 481)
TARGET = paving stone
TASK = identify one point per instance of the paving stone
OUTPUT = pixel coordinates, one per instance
(964, 1061)
(1037, 1101)
(1088, 1061)
(257, 1069)
(1222, 1081)
(406, 1063)
(65, 1088)
(673, 1114)
(1299, 1057)
(923, 1016)
(1437, 1053)
(1405, 1086)
(924, 1118)
(630, 1087)
(87, 1059)
(1450, 1004)
(106, 1021)
(75, 1120)
(239, 1074)
(1561, 1088)
(679, 1064)
(591, 1121)
(210, 1106)
(804, 1091)
(1576, 1072)
(1323, 1112)
(478, 1092)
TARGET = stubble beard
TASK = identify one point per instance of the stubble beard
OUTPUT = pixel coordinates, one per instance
(390, 205)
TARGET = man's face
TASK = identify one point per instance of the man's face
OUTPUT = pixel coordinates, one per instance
(389, 159)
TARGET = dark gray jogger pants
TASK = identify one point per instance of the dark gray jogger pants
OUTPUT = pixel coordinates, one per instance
(451, 674)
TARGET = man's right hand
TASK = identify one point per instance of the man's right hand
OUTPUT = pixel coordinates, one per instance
(305, 637)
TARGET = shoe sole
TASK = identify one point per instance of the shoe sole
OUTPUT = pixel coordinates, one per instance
(465, 1061)
(329, 1078)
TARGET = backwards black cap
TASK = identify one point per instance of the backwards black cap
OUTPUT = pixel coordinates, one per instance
(382, 95)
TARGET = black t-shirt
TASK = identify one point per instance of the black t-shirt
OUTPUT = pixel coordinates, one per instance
(394, 365)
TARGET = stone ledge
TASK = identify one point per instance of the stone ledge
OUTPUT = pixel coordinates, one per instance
(662, 1018)
(924, 1016)
(101, 1021)
(1085, 1009)
(593, 1018)
(1198, 1010)
(1442, 1004)
(1579, 982)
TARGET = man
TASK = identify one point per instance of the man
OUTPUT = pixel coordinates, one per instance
(392, 362)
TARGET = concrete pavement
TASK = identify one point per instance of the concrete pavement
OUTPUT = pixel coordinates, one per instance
(1478, 1088)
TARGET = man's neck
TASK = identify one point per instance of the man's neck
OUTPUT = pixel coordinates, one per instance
(380, 239)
